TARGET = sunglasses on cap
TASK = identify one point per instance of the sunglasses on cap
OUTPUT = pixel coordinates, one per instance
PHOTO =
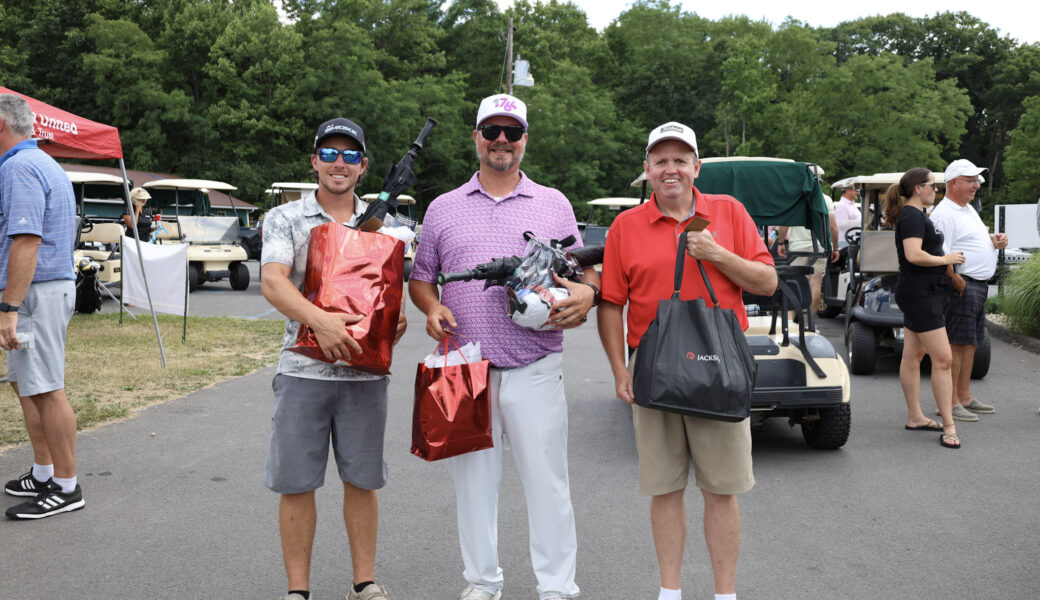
(491, 132)
(351, 157)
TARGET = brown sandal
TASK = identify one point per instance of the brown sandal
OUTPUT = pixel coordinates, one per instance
(954, 441)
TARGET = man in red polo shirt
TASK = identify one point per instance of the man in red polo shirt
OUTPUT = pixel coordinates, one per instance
(638, 268)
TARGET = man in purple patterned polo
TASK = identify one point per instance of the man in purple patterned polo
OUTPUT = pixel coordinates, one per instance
(480, 221)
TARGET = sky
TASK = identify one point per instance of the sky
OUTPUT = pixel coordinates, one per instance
(1018, 18)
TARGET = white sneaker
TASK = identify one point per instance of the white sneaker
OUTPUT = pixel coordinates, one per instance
(475, 593)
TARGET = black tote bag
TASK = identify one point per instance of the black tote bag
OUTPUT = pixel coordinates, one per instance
(694, 359)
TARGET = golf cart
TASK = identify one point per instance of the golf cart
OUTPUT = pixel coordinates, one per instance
(214, 243)
(405, 217)
(873, 320)
(96, 256)
(592, 235)
(801, 377)
(279, 193)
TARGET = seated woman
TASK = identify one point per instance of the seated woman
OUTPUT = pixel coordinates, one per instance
(920, 294)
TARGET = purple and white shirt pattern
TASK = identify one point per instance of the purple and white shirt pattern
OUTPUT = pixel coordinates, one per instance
(466, 227)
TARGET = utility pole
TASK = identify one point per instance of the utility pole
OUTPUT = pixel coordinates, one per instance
(509, 58)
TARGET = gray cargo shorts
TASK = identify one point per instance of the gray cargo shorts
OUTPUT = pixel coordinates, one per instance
(308, 413)
(43, 321)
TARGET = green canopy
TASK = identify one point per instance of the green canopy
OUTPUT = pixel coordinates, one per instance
(774, 192)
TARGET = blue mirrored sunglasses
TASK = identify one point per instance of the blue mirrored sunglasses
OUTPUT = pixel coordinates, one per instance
(351, 157)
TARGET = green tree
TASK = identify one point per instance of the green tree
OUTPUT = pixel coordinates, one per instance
(12, 60)
(675, 78)
(962, 48)
(746, 92)
(253, 72)
(578, 143)
(126, 68)
(873, 114)
(1023, 154)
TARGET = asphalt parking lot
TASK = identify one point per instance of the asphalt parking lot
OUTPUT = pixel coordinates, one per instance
(176, 509)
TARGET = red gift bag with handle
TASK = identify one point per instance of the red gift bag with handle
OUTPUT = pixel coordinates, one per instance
(359, 273)
(452, 413)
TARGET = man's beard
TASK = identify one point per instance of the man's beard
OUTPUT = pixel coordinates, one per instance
(497, 166)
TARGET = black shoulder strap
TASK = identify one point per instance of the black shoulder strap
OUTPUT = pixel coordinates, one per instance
(680, 263)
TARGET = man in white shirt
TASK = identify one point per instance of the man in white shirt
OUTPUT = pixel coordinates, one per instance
(846, 214)
(963, 230)
(799, 239)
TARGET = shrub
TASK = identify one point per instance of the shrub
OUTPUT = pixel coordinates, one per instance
(1022, 298)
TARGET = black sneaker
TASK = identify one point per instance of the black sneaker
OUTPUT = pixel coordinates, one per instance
(50, 501)
(26, 485)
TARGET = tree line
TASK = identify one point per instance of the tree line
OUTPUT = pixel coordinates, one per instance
(234, 90)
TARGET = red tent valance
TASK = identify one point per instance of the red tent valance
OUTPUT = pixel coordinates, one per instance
(65, 135)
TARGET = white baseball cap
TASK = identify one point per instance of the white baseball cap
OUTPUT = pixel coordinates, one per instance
(673, 131)
(502, 105)
(962, 167)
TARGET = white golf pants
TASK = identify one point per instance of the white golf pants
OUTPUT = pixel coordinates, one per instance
(529, 407)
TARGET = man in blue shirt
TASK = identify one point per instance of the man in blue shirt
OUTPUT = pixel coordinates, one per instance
(37, 296)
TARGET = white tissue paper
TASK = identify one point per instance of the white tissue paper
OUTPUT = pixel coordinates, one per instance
(402, 233)
(468, 353)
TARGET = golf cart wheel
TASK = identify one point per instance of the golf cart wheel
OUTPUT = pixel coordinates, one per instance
(862, 346)
(828, 311)
(980, 366)
(407, 268)
(239, 276)
(194, 277)
(831, 431)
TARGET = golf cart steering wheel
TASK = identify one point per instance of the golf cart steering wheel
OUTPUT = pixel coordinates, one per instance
(852, 235)
(85, 224)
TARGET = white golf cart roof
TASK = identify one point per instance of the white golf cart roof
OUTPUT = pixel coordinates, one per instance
(404, 199)
(713, 159)
(190, 184)
(614, 203)
(291, 185)
(85, 177)
(878, 180)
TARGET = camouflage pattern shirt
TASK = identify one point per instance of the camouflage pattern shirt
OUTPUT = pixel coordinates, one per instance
(286, 235)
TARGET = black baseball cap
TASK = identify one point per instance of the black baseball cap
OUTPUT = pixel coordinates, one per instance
(341, 126)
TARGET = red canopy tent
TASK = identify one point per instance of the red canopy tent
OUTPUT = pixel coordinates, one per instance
(62, 134)
(65, 135)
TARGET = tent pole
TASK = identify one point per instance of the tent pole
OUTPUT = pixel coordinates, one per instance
(140, 260)
(122, 270)
(184, 323)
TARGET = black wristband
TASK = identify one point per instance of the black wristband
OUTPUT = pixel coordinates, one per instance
(595, 293)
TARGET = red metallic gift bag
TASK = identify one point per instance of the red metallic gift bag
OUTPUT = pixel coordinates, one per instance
(359, 273)
(452, 413)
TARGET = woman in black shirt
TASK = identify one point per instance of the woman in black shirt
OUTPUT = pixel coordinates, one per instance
(142, 217)
(920, 293)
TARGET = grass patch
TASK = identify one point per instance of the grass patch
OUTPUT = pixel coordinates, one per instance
(111, 371)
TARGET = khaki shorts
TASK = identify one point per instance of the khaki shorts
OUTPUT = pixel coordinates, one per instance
(665, 441)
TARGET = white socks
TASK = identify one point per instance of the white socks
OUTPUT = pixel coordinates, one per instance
(67, 485)
(667, 594)
(42, 472)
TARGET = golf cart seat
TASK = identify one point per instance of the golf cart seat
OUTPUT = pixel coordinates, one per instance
(172, 231)
(101, 241)
(103, 233)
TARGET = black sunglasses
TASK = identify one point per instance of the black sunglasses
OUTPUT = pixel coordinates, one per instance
(351, 157)
(935, 186)
(491, 132)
